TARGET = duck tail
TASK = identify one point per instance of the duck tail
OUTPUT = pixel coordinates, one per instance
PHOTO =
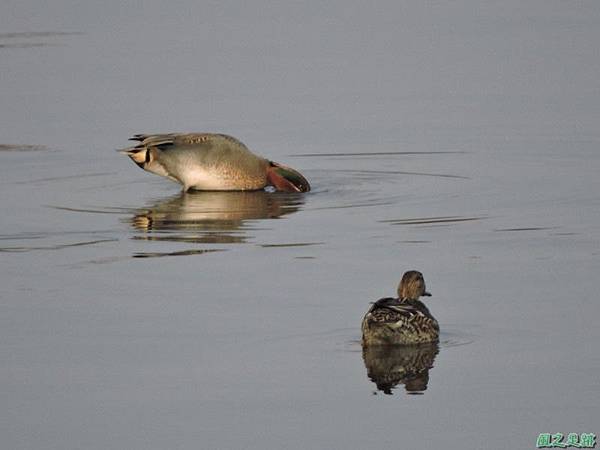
(286, 179)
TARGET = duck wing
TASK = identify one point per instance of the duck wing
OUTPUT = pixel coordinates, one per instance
(390, 310)
(168, 139)
(212, 148)
(402, 312)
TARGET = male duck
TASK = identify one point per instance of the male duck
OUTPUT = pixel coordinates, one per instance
(211, 162)
(401, 321)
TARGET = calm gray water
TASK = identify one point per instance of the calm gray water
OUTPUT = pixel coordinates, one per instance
(457, 138)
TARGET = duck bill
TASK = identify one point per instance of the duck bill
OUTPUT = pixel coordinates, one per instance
(426, 294)
(284, 178)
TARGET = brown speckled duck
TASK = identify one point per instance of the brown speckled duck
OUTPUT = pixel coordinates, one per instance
(404, 320)
(211, 162)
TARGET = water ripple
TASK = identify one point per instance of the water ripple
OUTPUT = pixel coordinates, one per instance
(431, 220)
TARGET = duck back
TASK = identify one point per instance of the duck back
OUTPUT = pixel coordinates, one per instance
(392, 321)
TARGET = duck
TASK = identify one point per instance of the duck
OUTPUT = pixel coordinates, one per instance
(211, 162)
(404, 320)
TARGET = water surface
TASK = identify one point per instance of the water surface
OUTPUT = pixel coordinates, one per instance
(459, 139)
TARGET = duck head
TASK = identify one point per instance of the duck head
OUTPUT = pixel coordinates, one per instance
(412, 286)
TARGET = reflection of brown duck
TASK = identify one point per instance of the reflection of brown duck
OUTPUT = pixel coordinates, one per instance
(389, 365)
(211, 162)
(403, 320)
(213, 217)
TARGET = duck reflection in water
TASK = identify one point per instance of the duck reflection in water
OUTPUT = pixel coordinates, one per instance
(212, 217)
(391, 365)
